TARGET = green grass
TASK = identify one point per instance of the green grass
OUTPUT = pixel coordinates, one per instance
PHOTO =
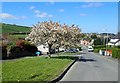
(69, 53)
(34, 69)
(19, 36)
(0, 71)
(9, 28)
(116, 52)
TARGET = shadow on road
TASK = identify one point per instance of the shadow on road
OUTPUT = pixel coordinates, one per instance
(86, 60)
(82, 53)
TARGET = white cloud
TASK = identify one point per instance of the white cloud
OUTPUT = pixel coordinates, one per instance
(41, 15)
(92, 5)
(7, 16)
(82, 14)
(37, 11)
(23, 17)
(50, 16)
(32, 7)
(52, 2)
(61, 10)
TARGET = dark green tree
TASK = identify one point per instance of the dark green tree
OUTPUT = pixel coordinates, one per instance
(94, 36)
(98, 41)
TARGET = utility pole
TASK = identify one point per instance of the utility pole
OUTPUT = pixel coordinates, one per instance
(106, 43)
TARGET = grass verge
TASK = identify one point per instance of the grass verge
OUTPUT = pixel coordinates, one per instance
(34, 69)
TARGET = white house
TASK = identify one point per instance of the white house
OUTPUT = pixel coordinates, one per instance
(117, 43)
(114, 42)
(44, 49)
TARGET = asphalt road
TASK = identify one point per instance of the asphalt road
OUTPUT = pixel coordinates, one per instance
(93, 67)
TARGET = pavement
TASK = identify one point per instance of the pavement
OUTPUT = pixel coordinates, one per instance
(92, 67)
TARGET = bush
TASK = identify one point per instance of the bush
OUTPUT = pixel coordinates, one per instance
(30, 48)
(22, 49)
(15, 52)
(20, 43)
(116, 53)
(80, 49)
(96, 50)
(4, 52)
(99, 46)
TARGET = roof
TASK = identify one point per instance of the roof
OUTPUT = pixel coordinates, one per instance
(114, 40)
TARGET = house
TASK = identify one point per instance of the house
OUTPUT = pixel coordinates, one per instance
(114, 42)
(44, 49)
(84, 42)
(117, 43)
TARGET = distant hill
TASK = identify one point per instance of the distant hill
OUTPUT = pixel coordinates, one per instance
(10, 28)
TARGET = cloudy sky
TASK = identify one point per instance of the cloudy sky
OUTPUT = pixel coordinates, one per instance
(90, 16)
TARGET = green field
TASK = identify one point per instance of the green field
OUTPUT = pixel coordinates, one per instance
(34, 68)
(9, 28)
(18, 36)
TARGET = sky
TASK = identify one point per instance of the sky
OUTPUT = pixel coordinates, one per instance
(95, 17)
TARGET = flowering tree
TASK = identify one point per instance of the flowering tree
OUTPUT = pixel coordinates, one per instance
(54, 35)
(71, 36)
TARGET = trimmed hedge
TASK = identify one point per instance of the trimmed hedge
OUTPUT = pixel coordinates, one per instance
(99, 46)
(96, 50)
(115, 50)
(26, 50)
(20, 49)
(116, 53)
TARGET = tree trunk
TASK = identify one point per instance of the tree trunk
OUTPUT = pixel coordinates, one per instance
(58, 51)
(49, 49)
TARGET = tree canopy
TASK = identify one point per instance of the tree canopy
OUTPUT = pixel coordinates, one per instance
(54, 34)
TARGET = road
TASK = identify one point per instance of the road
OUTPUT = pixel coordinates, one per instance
(93, 67)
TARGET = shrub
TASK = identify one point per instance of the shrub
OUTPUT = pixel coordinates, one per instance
(99, 46)
(116, 53)
(118, 46)
(15, 52)
(15, 49)
(96, 50)
(30, 48)
(22, 48)
(20, 43)
(80, 49)
(4, 52)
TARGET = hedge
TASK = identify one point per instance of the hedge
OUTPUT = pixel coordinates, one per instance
(27, 50)
(4, 52)
(116, 53)
(20, 49)
(99, 46)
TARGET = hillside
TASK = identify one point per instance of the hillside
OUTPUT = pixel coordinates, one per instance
(9, 28)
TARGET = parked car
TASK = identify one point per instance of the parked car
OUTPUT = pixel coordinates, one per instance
(90, 49)
(72, 50)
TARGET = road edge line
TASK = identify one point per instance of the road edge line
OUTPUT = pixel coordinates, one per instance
(63, 73)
